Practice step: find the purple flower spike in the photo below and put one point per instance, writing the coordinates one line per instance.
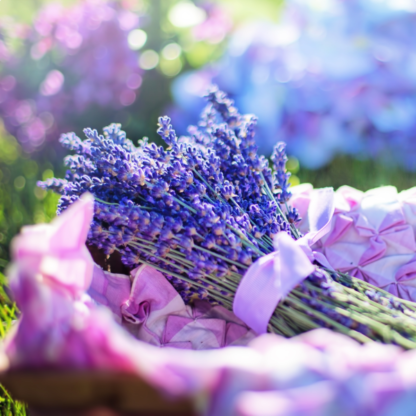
(166, 132)
(279, 160)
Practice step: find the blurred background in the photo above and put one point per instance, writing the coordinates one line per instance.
(335, 79)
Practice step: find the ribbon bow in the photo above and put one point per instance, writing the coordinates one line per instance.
(272, 277)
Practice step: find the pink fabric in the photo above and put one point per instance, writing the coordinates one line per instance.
(57, 251)
(269, 280)
(272, 277)
(111, 290)
(372, 236)
(52, 268)
(320, 213)
(151, 310)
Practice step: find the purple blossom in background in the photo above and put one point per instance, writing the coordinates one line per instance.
(69, 61)
(338, 78)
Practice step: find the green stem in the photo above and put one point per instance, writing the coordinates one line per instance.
(367, 286)
(241, 266)
(186, 268)
(340, 328)
(104, 202)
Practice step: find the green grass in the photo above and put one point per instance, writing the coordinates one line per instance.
(363, 175)
(21, 202)
(8, 406)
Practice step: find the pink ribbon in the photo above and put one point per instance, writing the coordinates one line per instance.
(320, 213)
(272, 277)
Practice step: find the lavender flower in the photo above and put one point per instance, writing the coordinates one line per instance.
(203, 210)
(192, 209)
(279, 160)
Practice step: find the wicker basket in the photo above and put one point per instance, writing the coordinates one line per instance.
(87, 393)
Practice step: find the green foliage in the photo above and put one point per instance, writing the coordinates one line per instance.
(21, 202)
(8, 406)
(24, 10)
(7, 309)
(360, 174)
(243, 10)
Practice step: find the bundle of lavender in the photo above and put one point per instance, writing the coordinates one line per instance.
(204, 209)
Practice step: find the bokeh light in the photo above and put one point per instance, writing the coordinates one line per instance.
(186, 14)
(149, 59)
(137, 39)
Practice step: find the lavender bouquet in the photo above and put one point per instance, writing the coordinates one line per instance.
(204, 209)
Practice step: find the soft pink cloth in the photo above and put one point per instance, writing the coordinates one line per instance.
(52, 268)
(269, 280)
(151, 310)
(272, 277)
(372, 235)
(57, 251)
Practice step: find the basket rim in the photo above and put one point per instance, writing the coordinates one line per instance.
(83, 389)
